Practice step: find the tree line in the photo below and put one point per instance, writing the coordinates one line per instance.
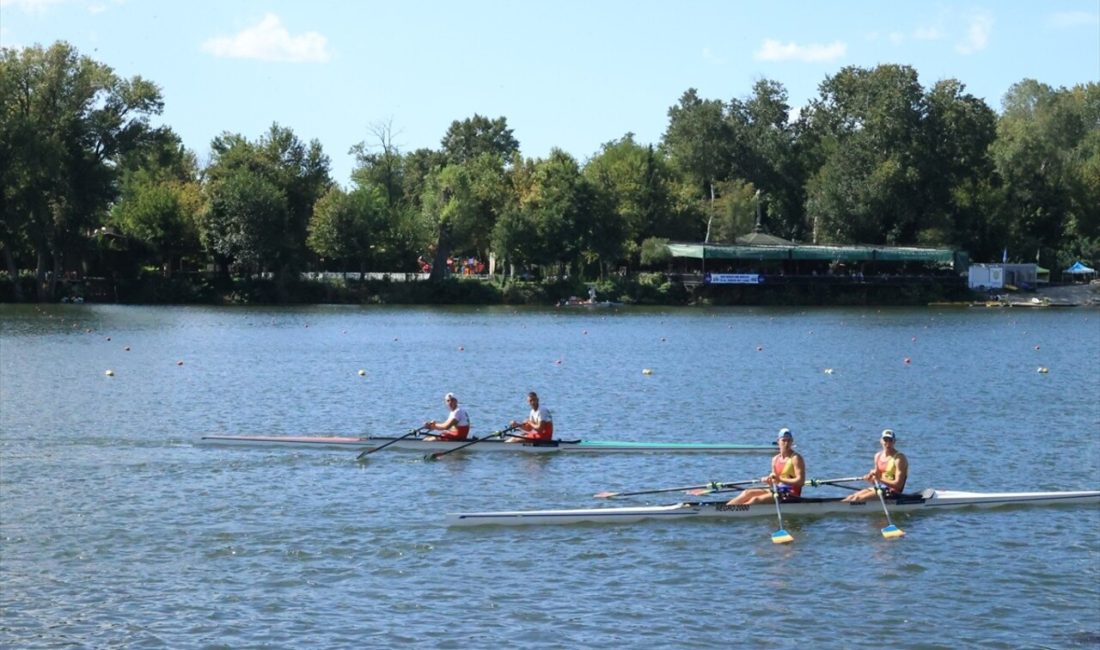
(91, 186)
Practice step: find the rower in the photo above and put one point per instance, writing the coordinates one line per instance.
(890, 471)
(455, 427)
(787, 476)
(539, 425)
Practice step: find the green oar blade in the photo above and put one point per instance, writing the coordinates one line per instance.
(781, 537)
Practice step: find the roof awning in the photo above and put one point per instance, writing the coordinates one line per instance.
(820, 253)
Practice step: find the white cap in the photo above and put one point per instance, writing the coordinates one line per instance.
(785, 433)
(888, 434)
(449, 396)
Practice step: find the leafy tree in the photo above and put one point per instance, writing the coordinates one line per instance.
(699, 142)
(159, 215)
(766, 154)
(246, 220)
(1045, 154)
(869, 186)
(473, 137)
(298, 172)
(736, 211)
(347, 227)
(638, 185)
(448, 207)
(65, 120)
(957, 173)
(160, 199)
(559, 205)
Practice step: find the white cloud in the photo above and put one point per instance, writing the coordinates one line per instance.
(773, 50)
(268, 40)
(1068, 19)
(977, 34)
(897, 38)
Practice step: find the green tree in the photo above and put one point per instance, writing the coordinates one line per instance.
(65, 120)
(957, 173)
(766, 154)
(1044, 154)
(559, 205)
(469, 139)
(868, 188)
(347, 227)
(449, 208)
(638, 184)
(297, 171)
(699, 142)
(246, 220)
(160, 199)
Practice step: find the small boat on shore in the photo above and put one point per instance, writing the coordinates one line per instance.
(592, 305)
(925, 501)
(491, 444)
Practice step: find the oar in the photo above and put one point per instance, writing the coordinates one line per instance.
(370, 451)
(780, 536)
(814, 482)
(495, 434)
(891, 530)
(680, 488)
(722, 487)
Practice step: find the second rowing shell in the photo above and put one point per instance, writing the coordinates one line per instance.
(492, 444)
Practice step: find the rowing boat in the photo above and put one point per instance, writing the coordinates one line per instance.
(489, 444)
(928, 500)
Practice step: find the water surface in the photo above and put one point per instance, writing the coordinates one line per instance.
(117, 531)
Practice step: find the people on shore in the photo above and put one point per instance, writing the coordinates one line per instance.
(539, 425)
(787, 476)
(455, 427)
(889, 473)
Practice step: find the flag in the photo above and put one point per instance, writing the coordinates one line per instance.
(1004, 257)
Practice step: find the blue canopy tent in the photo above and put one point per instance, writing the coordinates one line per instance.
(1079, 269)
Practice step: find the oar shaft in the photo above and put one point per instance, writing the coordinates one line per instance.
(495, 434)
(368, 452)
(814, 482)
(891, 531)
(713, 485)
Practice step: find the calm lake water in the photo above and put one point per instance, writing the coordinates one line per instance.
(117, 531)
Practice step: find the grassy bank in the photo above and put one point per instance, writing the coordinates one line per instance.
(640, 289)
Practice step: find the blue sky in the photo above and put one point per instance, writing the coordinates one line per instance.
(571, 74)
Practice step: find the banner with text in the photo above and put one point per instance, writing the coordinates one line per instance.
(734, 278)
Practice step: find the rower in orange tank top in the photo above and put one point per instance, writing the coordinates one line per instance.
(787, 477)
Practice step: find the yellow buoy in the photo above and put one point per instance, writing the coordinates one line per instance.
(647, 371)
(1042, 371)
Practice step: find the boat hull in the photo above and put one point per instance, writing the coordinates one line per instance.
(927, 500)
(491, 445)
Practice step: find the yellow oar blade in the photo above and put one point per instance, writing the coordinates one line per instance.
(605, 495)
(892, 531)
(781, 537)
